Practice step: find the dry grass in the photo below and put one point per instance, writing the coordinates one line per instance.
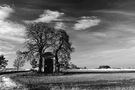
(34, 80)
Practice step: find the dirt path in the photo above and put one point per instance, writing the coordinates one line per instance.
(8, 84)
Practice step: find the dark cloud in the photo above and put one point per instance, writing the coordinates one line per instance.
(114, 31)
(30, 9)
(62, 4)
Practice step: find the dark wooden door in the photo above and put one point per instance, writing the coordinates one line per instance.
(48, 65)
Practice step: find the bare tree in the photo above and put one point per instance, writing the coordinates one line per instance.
(39, 39)
(62, 49)
(3, 62)
(19, 62)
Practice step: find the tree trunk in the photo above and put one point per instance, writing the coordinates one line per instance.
(44, 66)
(17, 68)
(58, 67)
(40, 64)
(56, 63)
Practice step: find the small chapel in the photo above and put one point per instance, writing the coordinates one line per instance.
(49, 62)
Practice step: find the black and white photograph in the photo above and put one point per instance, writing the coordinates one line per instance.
(67, 44)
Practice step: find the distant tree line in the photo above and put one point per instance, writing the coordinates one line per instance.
(104, 67)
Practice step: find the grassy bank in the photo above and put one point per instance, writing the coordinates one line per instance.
(34, 80)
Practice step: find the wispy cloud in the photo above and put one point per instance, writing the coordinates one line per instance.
(11, 29)
(126, 13)
(60, 25)
(2, 53)
(47, 16)
(86, 22)
(8, 29)
(4, 45)
(7, 53)
(5, 12)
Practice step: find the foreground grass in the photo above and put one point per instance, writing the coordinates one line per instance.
(35, 81)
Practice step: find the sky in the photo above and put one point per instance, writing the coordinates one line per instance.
(101, 31)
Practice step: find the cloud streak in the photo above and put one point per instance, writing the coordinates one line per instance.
(47, 16)
(8, 29)
(10, 32)
(126, 13)
(5, 12)
(60, 25)
(86, 22)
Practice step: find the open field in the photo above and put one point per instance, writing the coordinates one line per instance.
(31, 78)
(99, 71)
(77, 79)
(37, 82)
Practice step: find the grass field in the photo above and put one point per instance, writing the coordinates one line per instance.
(38, 81)
(99, 71)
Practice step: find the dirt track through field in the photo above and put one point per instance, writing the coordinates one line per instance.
(8, 84)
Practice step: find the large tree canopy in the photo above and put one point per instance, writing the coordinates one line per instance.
(40, 38)
(62, 49)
